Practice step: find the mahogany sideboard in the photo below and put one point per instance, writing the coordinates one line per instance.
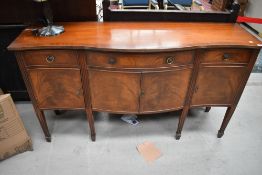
(137, 67)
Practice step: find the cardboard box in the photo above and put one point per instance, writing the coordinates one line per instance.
(149, 151)
(13, 136)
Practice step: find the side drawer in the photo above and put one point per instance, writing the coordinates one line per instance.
(51, 58)
(225, 56)
(139, 60)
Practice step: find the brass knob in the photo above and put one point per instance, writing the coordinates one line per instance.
(170, 60)
(112, 61)
(78, 92)
(226, 57)
(196, 88)
(50, 59)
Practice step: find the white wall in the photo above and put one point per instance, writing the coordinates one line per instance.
(254, 9)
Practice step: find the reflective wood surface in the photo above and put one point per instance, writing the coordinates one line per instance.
(140, 36)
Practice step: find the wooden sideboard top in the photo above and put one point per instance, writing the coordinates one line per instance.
(140, 37)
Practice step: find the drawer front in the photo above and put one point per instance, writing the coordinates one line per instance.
(51, 58)
(225, 56)
(139, 60)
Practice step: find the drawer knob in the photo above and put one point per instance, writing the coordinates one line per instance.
(170, 60)
(50, 59)
(142, 93)
(226, 57)
(78, 92)
(112, 61)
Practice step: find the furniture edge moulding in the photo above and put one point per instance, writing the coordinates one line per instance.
(115, 50)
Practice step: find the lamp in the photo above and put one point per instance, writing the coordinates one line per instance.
(50, 29)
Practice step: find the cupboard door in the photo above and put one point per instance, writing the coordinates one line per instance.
(115, 90)
(217, 85)
(57, 88)
(163, 91)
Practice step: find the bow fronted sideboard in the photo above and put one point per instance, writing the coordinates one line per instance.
(137, 67)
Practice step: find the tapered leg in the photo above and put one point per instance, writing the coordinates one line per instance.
(181, 122)
(207, 109)
(41, 117)
(90, 119)
(228, 115)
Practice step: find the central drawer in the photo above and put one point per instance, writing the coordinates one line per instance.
(139, 60)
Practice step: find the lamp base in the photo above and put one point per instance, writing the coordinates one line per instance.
(50, 31)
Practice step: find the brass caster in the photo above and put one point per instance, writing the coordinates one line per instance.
(220, 134)
(48, 139)
(178, 135)
(207, 109)
(93, 137)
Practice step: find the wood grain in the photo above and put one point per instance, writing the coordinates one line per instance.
(39, 113)
(115, 91)
(87, 93)
(231, 109)
(57, 88)
(217, 85)
(123, 68)
(165, 90)
(140, 37)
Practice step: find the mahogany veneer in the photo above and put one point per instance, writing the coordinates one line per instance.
(137, 68)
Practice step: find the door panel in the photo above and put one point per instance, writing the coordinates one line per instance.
(164, 90)
(114, 90)
(57, 88)
(217, 85)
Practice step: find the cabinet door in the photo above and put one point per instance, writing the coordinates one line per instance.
(57, 88)
(165, 90)
(115, 90)
(217, 85)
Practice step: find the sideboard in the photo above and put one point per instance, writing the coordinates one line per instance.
(137, 67)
